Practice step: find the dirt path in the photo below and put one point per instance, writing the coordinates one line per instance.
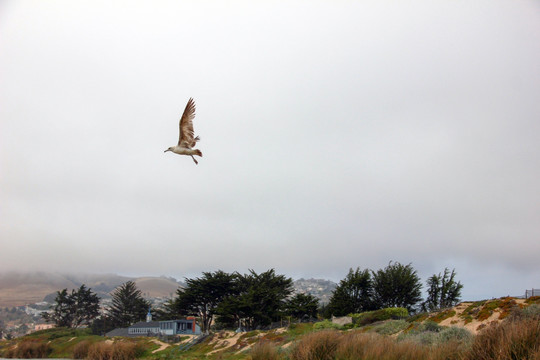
(162, 345)
(225, 343)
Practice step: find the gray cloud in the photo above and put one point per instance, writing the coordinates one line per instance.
(334, 135)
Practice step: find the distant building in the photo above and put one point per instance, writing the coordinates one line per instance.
(186, 326)
(43, 326)
(176, 327)
(144, 328)
(167, 327)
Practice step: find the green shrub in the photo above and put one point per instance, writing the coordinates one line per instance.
(295, 330)
(455, 333)
(472, 311)
(531, 311)
(426, 333)
(442, 315)
(326, 324)
(487, 310)
(425, 338)
(432, 326)
(390, 327)
(370, 317)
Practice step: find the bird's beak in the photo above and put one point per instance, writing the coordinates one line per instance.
(167, 150)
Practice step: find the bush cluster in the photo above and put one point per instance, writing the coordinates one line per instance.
(29, 349)
(431, 333)
(390, 327)
(326, 324)
(370, 317)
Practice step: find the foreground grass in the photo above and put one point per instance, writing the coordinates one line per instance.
(75, 344)
(515, 339)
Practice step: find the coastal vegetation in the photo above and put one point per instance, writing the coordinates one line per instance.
(517, 336)
(258, 316)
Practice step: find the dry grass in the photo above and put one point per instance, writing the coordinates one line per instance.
(320, 345)
(264, 350)
(80, 351)
(519, 339)
(30, 349)
(334, 345)
(113, 351)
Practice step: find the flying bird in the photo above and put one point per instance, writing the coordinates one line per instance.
(187, 139)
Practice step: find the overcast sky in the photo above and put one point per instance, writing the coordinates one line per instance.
(335, 134)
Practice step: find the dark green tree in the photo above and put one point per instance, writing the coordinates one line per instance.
(101, 325)
(62, 314)
(201, 296)
(85, 306)
(167, 311)
(352, 295)
(235, 306)
(302, 305)
(397, 285)
(264, 299)
(443, 291)
(75, 309)
(256, 299)
(128, 306)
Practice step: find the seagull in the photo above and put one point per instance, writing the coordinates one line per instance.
(187, 138)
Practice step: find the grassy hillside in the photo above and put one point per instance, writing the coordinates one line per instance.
(511, 330)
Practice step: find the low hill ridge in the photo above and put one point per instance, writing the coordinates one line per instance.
(17, 289)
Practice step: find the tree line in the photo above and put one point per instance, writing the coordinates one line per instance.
(81, 307)
(255, 300)
(396, 285)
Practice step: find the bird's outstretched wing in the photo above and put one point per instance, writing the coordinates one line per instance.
(187, 135)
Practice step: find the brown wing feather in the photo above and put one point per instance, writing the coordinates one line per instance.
(187, 135)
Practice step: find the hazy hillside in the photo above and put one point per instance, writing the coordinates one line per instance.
(320, 288)
(157, 287)
(18, 289)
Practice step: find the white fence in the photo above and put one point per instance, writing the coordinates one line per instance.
(532, 292)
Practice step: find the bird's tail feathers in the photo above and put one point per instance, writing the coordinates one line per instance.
(198, 152)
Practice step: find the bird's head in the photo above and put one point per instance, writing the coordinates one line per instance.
(169, 149)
